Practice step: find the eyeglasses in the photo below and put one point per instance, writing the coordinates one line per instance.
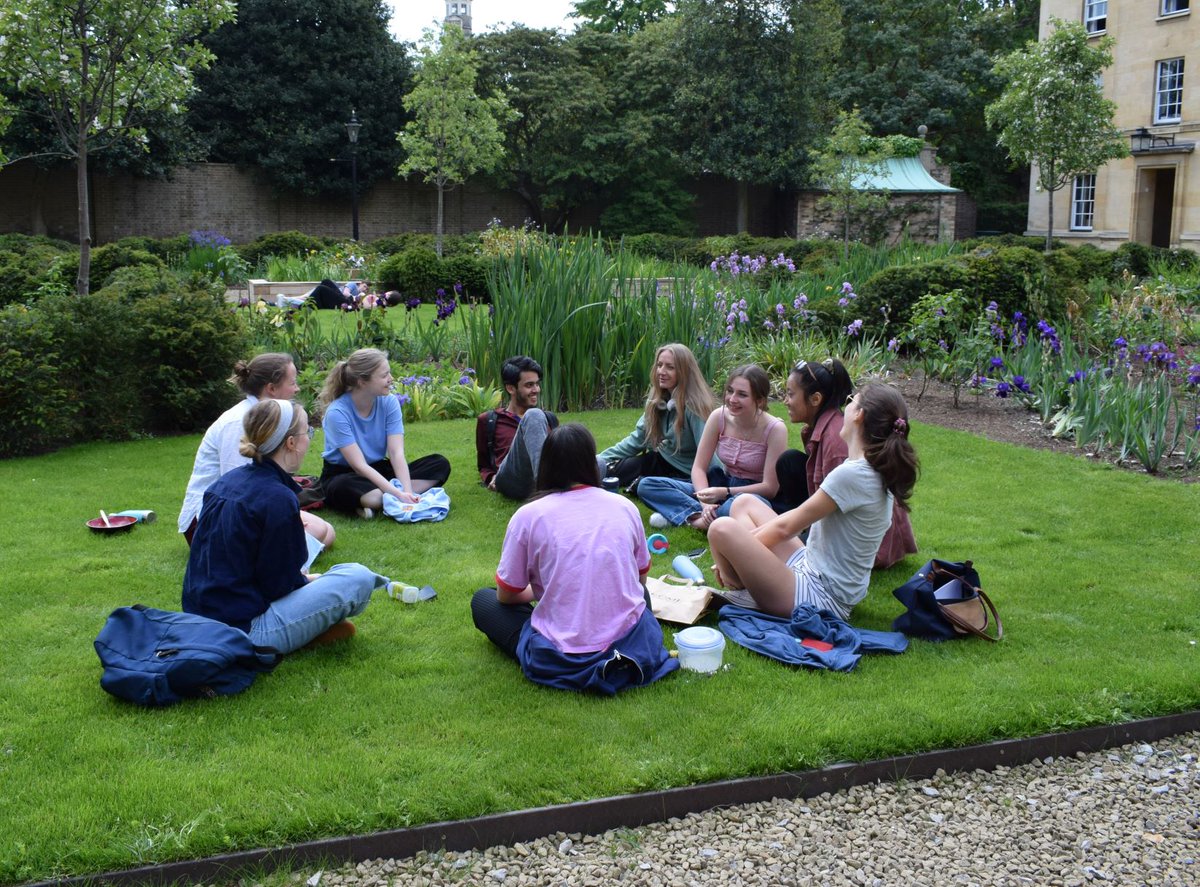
(850, 399)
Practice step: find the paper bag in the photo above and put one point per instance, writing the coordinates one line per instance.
(681, 601)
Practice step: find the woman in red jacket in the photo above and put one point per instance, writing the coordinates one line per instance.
(816, 394)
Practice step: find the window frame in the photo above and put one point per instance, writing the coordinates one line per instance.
(1090, 18)
(1083, 202)
(1181, 7)
(1168, 90)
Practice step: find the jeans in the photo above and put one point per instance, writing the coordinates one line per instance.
(295, 619)
(676, 499)
(518, 471)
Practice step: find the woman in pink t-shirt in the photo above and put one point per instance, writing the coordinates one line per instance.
(570, 601)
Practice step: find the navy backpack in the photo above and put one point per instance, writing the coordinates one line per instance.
(156, 657)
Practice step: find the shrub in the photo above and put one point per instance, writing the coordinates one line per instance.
(414, 272)
(186, 343)
(139, 281)
(398, 243)
(470, 271)
(24, 265)
(108, 258)
(1093, 262)
(97, 346)
(280, 243)
(1134, 258)
(666, 247)
(37, 408)
(899, 287)
(1006, 277)
(163, 247)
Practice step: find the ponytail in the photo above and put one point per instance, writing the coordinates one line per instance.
(830, 379)
(885, 440)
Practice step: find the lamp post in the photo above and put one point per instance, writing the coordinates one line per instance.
(352, 129)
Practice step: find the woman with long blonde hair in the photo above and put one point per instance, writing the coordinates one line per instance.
(664, 441)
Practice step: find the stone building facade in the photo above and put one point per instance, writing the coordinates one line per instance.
(1153, 196)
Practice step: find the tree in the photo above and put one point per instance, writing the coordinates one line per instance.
(848, 158)
(454, 132)
(753, 84)
(562, 147)
(619, 16)
(99, 67)
(287, 76)
(1052, 112)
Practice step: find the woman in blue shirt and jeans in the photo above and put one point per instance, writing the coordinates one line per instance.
(244, 568)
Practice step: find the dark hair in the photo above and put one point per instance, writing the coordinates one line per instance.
(568, 458)
(829, 379)
(253, 375)
(885, 439)
(510, 373)
(758, 381)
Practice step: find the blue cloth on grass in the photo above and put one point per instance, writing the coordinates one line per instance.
(780, 638)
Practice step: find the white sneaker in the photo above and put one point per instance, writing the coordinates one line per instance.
(658, 521)
(365, 513)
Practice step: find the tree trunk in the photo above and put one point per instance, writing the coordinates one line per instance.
(441, 216)
(743, 207)
(85, 226)
(1050, 211)
(1049, 222)
(846, 234)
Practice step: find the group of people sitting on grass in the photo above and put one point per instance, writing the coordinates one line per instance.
(570, 602)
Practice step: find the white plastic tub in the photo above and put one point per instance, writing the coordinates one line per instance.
(700, 649)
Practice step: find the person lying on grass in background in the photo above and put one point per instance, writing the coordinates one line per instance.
(364, 439)
(509, 439)
(849, 513)
(244, 568)
(580, 554)
(265, 376)
(745, 438)
(815, 393)
(664, 441)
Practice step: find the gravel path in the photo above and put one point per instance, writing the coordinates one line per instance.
(1127, 816)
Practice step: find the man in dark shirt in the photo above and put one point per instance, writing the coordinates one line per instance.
(508, 440)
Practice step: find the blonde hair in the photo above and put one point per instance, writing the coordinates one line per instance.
(253, 375)
(348, 374)
(692, 394)
(261, 422)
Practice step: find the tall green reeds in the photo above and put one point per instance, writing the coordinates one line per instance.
(590, 320)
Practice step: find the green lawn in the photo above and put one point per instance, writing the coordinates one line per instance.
(418, 719)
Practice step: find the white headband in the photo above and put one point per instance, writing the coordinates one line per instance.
(286, 411)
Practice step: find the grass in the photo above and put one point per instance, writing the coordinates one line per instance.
(418, 719)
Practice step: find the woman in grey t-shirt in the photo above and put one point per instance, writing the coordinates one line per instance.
(849, 514)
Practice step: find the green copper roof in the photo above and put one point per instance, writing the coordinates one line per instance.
(902, 174)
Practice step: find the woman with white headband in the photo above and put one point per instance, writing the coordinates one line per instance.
(248, 550)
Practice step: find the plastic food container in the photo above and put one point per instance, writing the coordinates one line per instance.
(700, 649)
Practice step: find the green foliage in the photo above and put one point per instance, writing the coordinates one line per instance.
(113, 365)
(34, 397)
(1052, 112)
(454, 132)
(414, 272)
(135, 282)
(280, 243)
(166, 248)
(618, 16)
(98, 69)
(839, 167)
(752, 85)
(470, 272)
(25, 261)
(284, 84)
(898, 288)
(186, 343)
(108, 258)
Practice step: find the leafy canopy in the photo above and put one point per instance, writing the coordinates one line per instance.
(454, 132)
(1052, 112)
(287, 76)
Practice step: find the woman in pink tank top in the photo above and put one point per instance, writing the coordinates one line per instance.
(745, 437)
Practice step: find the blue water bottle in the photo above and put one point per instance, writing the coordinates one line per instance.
(685, 569)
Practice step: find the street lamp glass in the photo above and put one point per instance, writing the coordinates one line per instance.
(352, 128)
